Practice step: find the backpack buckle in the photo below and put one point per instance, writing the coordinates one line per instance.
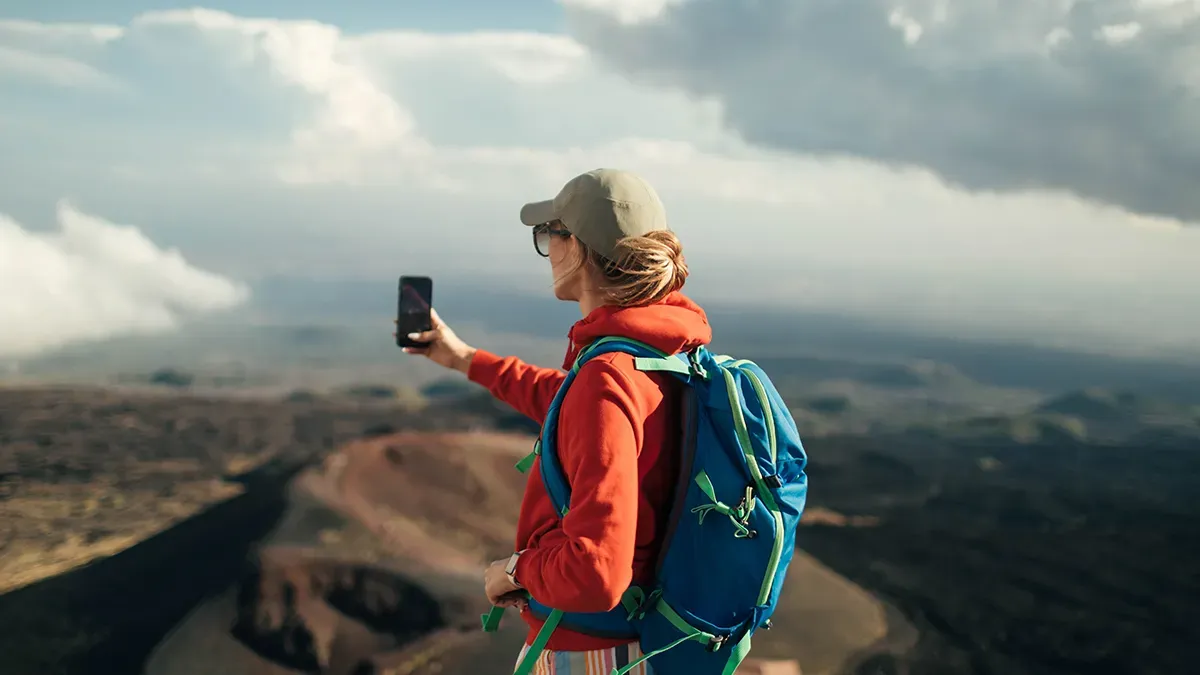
(716, 643)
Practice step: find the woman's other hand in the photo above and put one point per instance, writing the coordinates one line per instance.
(500, 589)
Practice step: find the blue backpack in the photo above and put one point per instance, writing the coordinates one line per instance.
(731, 531)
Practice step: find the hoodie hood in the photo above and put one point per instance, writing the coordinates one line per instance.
(674, 324)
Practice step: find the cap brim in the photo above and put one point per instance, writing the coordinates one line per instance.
(536, 213)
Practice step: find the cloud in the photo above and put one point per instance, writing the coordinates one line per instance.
(271, 147)
(628, 12)
(94, 279)
(55, 70)
(58, 35)
(352, 114)
(55, 54)
(1100, 99)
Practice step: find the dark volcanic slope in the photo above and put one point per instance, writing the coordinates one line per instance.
(106, 616)
(1023, 559)
(88, 473)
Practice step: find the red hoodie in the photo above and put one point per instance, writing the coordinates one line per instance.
(618, 438)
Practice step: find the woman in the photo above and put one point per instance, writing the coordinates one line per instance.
(611, 252)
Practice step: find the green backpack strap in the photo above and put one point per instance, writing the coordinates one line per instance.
(740, 650)
(491, 620)
(527, 461)
(539, 644)
(668, 364)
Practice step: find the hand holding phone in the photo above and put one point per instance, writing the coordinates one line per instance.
(436, 341)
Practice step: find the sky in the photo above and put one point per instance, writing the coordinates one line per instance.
(1017, 174)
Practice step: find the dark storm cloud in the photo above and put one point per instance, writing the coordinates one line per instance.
(1098, 98)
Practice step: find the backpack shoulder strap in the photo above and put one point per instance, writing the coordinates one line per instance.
(646, 358)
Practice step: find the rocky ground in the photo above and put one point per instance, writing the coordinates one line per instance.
(1026, 559)
(85, 473)
(179, 535)
(261, 537)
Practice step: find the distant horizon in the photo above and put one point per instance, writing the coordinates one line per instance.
(275, 295)
(356, 315)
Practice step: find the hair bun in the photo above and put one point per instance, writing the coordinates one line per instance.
(646, 269)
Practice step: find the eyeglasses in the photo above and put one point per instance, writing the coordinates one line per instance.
(542, 234)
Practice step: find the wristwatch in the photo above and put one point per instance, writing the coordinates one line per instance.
(511, 568)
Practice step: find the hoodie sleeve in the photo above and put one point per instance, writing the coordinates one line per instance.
(527, 388)
(586, 565)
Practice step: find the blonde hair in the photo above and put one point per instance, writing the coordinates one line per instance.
(642, 271)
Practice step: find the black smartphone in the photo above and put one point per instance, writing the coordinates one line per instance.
(413, 309)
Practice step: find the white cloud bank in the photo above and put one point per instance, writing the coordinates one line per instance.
(94, 279)
(292, 147)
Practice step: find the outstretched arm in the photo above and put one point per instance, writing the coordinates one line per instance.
(526, 387)
(587, 564)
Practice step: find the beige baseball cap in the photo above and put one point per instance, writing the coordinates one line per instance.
(601, 207)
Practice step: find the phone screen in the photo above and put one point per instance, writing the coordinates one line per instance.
(412, 312)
